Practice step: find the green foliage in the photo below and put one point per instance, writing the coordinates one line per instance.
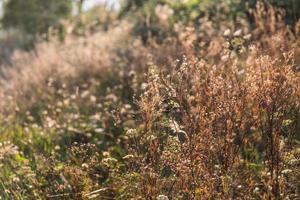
(35, 17)
(291, 8)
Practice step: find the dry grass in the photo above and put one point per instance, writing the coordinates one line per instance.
(210, 113)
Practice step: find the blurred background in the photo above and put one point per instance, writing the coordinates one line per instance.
(24, 23)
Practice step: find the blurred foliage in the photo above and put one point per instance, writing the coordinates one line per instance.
(35, 17)
(291, 7)
(147, 13)
(156, 18)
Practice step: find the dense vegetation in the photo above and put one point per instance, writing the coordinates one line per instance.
(186, 100)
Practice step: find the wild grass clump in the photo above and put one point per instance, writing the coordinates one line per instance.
(222, 123)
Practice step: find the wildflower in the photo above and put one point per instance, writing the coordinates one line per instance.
(89, 135)
(93, 99)
(66, 102)
(132, 73)
(237, 33)
(85, 166)
(225, 57)
(247, 37)
(106, 154)
(256, 189)
(99, 130)
(162, 197)
(112, 97)
(227, 32)
(84, 94)
(131, 133)
(286, 171)
(58, 110)
(127, 106)
(144, 86)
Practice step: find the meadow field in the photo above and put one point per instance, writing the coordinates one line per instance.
(154, 100)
